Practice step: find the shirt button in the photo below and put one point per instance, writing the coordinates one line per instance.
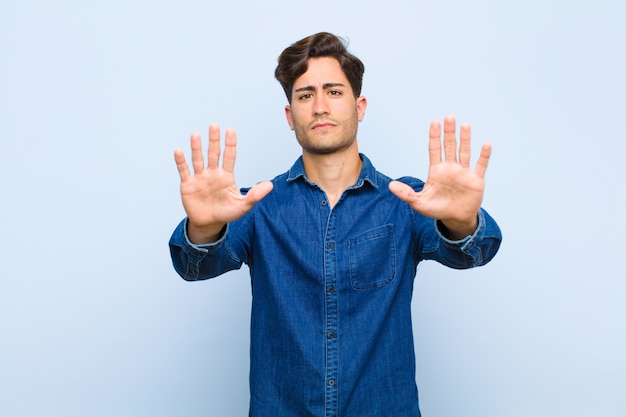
(323, 202)
(331, 289)
(330, 246)
(331, 382)
(331, 335)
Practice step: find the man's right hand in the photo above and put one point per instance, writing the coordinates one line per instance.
(210, 196)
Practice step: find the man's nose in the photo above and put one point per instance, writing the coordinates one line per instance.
(320, 106)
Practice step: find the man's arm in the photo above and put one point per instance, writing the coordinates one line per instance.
(475, 249)
(212, 201)
(195, 262)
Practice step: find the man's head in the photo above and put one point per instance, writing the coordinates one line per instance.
(293, 62)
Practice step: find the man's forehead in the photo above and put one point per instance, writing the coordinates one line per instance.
(322, 71)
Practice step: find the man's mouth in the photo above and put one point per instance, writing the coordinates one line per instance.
(323, 126)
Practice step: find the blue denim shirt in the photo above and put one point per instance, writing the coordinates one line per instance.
(331, 331)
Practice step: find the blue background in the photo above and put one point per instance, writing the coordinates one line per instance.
(95, 96)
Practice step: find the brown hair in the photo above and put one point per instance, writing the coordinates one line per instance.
(293, 62)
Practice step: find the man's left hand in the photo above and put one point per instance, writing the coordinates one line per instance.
(453, 192)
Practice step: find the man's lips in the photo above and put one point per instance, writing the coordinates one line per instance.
(323, 126)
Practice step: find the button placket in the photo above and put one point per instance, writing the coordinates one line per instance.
(331, 312)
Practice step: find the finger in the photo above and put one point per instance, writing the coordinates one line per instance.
(213, 153)
(465, 146)
(449, 139)
(181, 164)
(434, 143)
(197, 160)
(230, 151)
(483, 160)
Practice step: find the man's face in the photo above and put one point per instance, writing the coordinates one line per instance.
(324, 112)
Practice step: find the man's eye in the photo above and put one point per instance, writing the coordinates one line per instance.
(334, 93)
(305, 96)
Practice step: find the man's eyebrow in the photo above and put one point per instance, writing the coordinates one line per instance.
(325, 87)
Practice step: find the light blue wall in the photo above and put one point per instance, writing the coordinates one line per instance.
(95, 96)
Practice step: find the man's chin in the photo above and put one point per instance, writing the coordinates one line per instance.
(322, 149)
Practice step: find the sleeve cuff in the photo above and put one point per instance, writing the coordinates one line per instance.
(207, 247)
(467, 240)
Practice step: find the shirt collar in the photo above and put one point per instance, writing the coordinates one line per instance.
(368, 173)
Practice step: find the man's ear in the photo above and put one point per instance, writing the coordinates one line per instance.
(289, 116)
(361, 105)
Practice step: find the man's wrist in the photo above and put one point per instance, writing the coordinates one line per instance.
(204, 235)
(454, 230)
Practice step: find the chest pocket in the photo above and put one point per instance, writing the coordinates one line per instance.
(372, 258)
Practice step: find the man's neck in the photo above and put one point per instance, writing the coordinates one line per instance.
(333, 172)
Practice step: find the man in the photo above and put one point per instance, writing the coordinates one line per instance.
(332, 245)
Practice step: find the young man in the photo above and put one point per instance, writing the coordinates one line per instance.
(332, 245)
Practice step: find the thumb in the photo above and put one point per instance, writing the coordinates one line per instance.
(402, 191)
(258, 192)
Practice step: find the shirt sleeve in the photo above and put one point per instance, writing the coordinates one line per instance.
(474, 250)
(197, 262)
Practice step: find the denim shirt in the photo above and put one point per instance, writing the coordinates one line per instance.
(331, 331)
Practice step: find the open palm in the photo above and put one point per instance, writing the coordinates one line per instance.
(210, 196)
(453, 192)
